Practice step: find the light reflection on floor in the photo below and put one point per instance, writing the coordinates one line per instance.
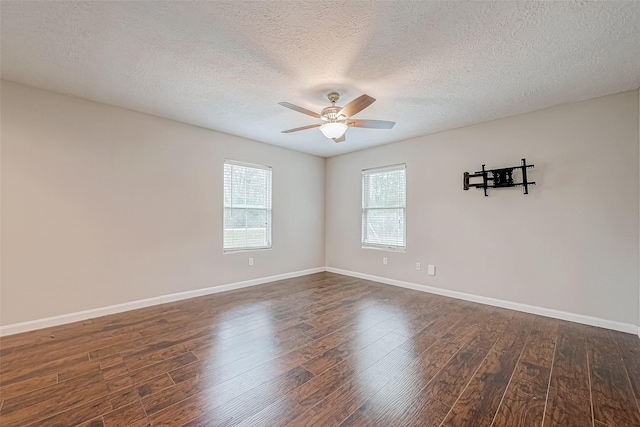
(224, 365)
(396, 364)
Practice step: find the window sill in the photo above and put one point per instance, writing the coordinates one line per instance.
(386, 249)
(240, 250)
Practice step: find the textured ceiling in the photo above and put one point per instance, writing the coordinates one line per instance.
(225, 65)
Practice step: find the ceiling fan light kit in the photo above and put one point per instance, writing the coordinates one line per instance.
(338, 119)
(333, 130)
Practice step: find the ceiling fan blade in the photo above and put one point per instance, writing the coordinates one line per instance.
(300, 109)
(357, 105)
(302, 128)
(372, 124)
(342, 138)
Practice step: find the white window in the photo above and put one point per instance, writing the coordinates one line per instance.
(247, 206)
(384, 202)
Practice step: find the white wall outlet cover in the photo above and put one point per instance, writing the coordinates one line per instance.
(431, 271)
(385, 261)
(250, 261)
(418, 266)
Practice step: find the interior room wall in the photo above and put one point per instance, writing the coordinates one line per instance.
(102, 206)
(570, 245)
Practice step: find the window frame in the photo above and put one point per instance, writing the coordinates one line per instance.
(269, 209)
(365, 209)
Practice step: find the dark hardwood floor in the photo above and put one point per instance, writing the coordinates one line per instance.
(320, 350)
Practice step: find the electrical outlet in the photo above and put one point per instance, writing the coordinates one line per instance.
(418, 266)
(385, 261)
(431, 271)
(250, 262)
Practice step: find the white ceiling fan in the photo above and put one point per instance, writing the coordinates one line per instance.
(336, 120)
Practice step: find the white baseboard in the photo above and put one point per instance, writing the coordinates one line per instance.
(547, 312)
(162, 299)
(118, 308)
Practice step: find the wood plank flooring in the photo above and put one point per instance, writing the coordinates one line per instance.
(320, 350)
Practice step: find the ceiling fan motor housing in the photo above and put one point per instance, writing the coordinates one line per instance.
(332, 114)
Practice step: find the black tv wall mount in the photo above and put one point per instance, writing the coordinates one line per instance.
(499, 178)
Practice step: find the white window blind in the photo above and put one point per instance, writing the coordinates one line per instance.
(384, 203)
(247, 206)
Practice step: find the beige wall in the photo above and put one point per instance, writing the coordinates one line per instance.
(570, 245)
(102, 205)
